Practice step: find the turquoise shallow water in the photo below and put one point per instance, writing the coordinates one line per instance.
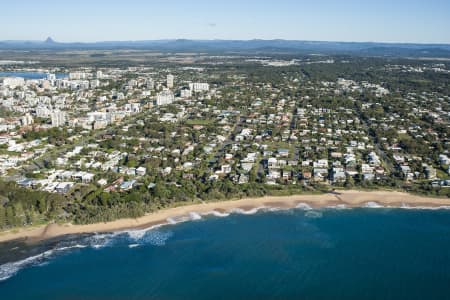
(295, 254)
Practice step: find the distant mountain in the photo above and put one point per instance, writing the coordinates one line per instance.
(49, 40)
(248, 46)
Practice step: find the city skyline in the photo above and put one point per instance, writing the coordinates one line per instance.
(325, 20)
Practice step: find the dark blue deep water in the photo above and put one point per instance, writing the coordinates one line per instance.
(296, 254)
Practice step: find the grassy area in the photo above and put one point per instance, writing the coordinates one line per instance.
(200, 122)
(441, 174)
(11, 153)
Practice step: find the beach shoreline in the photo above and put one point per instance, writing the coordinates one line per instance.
(345, 198)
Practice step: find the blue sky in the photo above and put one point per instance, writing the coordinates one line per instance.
(420, 21)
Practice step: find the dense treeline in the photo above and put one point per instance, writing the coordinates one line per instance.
(55, 135)
(20, 206)
(95, 205)
(87, 204)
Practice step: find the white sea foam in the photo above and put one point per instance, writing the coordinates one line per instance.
(171, 221)
(148, 235)
(176, 220)
(313, 214)
(406, 206)
(373, 204)
(133, 245)
(10, 269)
(195, 216)
(156, 237)
(217, 214)
(192, 216)
(248, 212)
(304, 206)
(77, 246)
(100, 240)
(275, 209)
(338, 207)
(136, 234)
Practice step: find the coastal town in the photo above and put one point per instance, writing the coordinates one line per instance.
(217, 126)
(225, 150)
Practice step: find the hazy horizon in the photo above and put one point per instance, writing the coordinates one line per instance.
(324, 20)
(212, 40)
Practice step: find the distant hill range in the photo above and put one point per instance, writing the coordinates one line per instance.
(258, 46)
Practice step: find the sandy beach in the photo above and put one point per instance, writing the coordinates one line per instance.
(165, 216)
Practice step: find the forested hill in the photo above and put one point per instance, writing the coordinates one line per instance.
(266, 46)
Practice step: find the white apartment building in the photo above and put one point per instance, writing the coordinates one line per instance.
(58, 118)
(199, 87)
(133, 108)
(165, 97)
(13, 82)
(78, 76)
(185, 93)
(26, 120)
(43, 112)
(170, 80)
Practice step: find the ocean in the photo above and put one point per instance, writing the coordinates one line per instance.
(364, 253)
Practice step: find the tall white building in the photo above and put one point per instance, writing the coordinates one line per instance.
(94, 83)
(170, 79)
(185, 93)
(133, 108)
(26, 120)
(165, 97)
(150, 83)
(43, 111)
(13, 82)
(77, 75)
(58, 118)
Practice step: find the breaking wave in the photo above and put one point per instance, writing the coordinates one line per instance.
(275, 209)
(10, 269)
(338, 207)
(303, 206)
(149, 236)
(251, 211)
(217, 214)
(406, 206)
(195, 216)
(313, 214)
(192, 216)
(373, 204)
(154, 237)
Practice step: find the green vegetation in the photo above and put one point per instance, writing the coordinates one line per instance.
(199, 122)
(22, 207)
